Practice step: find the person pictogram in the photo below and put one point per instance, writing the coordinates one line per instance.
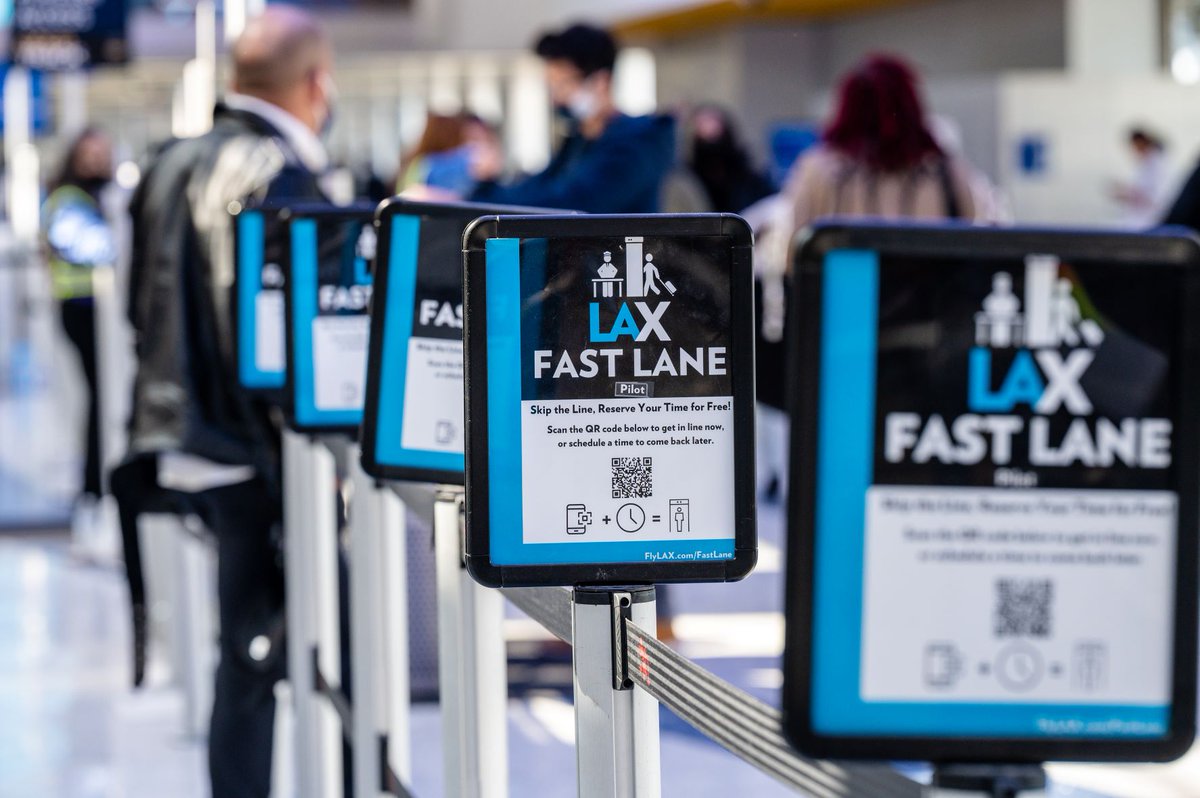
(608, 278)
(1064, 315)
(651, 278)
(1000, 324)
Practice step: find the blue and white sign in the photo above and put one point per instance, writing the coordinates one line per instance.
(414, 428)
(614, 398)
(997, 525)
(329, 289)
(259, 303)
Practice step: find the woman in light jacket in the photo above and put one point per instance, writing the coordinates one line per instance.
(878, 157)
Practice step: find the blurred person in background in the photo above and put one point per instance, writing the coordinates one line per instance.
(442, 158)
(77, 238)
(211, 442)
(1141, 199)
(721, 162)
(608, 162)
(878, 157)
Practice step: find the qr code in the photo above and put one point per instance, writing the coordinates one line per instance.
(1024, 607)
(632, 477)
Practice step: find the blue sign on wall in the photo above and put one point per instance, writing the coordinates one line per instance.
(41, 103)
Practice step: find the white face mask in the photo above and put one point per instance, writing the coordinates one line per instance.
(330, 103)
(584, 104)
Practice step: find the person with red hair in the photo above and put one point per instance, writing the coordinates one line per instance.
(878, 157)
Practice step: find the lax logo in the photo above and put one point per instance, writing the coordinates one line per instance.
(641, 279)
(1040, 375)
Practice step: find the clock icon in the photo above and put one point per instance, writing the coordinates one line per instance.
(631, 518)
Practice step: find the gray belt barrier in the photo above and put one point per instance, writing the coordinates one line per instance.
(738, 722)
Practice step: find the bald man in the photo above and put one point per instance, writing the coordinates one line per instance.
(215, 446)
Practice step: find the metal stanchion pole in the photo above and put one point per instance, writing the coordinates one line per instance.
(114, 352)
(297, 487)
(326, 645)
(472, 664)
(616, 726)
(195, 581)
(366, 645)
(393, 618)
(375, 515)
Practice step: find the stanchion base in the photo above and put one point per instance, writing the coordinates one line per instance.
(994, 781)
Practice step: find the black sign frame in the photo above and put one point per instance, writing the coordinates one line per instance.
(477, 554)
(387, 211)
(318, 212)
(1181, 251)
(272, 212)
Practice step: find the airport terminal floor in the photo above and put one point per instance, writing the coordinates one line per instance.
(73, 728)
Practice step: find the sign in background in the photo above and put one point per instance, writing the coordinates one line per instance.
(616, 400)
(43, 114)
(991, 480)
(61, 35)
(258, 299)
(328, 297)
(413, 426)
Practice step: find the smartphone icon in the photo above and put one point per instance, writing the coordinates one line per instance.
(578, 519)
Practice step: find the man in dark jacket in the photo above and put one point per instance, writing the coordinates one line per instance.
(609, 162)
(215, 444)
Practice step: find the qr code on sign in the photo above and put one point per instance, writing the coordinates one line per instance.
(632, 477)
(1024, 607)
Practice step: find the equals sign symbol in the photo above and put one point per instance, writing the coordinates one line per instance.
(656, 518)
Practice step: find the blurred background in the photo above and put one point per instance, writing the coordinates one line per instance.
(1072, 113)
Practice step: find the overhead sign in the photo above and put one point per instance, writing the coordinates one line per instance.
(61, 35)
(258, 298)
(993, 524)
(327, 300)
(413, 426)
(610, 400)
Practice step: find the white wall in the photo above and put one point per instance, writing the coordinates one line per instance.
(1113, 37)
(766, 74)
(954, 37)
(1083, 122)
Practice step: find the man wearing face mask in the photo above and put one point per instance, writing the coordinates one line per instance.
(215, 448)
(609, 162)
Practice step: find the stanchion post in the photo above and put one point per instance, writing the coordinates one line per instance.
(381, 694)
(195, 584)
(326, 647)
(616, 726)
(393, 617)
(472, 665)
(296, 488)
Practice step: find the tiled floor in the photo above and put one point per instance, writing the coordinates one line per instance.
(70, 727)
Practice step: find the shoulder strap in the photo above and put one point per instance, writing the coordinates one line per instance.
(949, 194)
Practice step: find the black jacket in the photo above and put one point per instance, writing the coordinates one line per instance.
(1186, 208)
(186, 394)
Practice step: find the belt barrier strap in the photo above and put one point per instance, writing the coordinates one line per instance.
(747, 727)
(342, 706)
(735, 720)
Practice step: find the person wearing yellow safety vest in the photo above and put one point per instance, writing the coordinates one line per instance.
(77, 239)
